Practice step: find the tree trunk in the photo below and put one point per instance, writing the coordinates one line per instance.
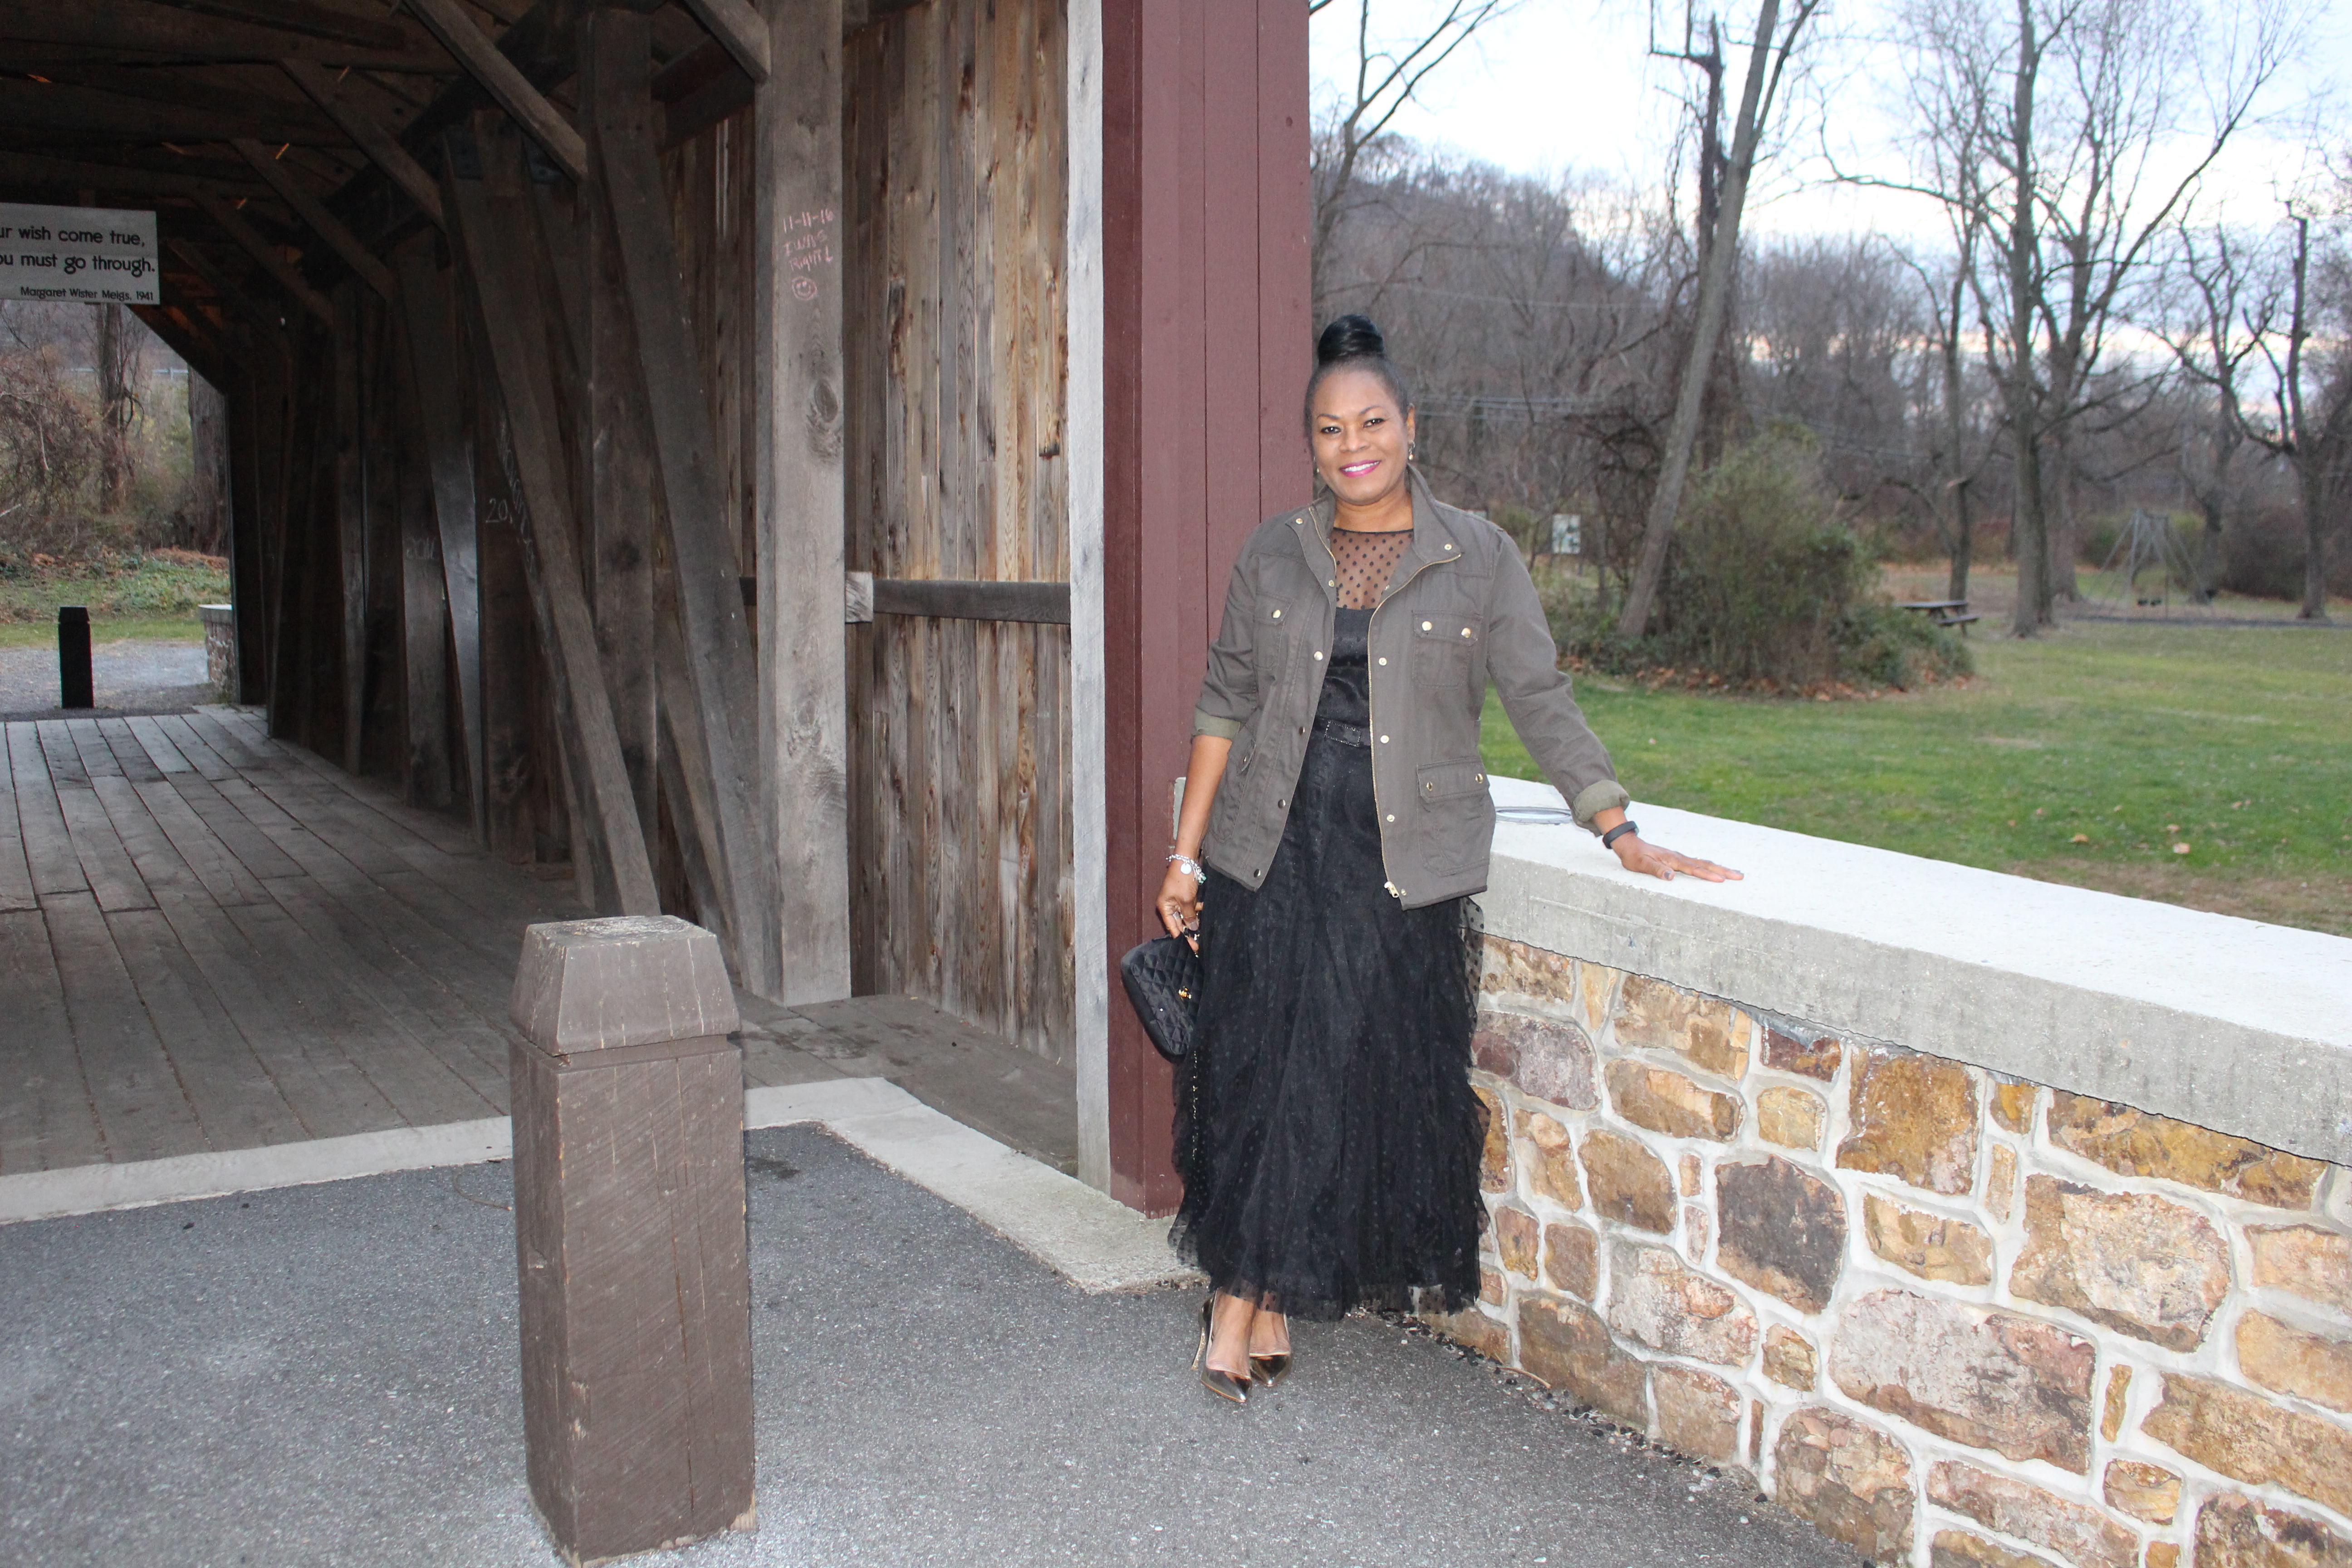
(2214, 498)
(1714, 296)
(208, 499)
(2029, 533)
(2026, 537)
(1963, 545)
(2310, 461)
(118, 358)
(1720, 405)
(2310, 470)
(1954, 441)
(2064, 537)
(2208, 564)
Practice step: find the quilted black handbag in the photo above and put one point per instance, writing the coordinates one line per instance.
(1163, 980)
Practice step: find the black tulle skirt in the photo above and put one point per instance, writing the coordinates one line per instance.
(1325, 1130)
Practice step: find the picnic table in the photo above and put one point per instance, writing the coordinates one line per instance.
(1943, 612)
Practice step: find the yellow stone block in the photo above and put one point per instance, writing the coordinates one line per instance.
(1792, 1118)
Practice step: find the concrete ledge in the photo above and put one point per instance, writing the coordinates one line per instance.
(2236, 1026)
(1089, 1239)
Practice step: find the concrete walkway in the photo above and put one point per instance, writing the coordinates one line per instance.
(327, 1375)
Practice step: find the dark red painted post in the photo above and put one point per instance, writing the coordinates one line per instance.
(1207, 343)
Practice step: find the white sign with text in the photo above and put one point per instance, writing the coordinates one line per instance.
(98, 256)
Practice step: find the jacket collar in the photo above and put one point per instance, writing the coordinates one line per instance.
(1434, 542)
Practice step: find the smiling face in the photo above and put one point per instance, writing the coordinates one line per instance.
(1359, 437)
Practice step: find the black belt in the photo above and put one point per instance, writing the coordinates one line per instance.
(1345, 734)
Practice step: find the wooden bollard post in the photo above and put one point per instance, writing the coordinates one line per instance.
(629, 1237)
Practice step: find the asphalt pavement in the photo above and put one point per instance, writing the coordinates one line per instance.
(327, 1375)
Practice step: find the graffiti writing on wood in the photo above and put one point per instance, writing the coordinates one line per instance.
(806, 247)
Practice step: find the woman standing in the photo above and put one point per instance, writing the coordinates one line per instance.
(1325, 1130)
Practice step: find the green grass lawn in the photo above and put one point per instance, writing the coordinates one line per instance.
(2235, 741)
(153, 595)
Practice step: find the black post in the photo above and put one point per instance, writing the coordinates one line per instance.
(74, 688)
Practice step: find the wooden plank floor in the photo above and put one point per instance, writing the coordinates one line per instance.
(210, 940)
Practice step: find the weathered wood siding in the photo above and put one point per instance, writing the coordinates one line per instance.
(960, 777)
(712, 186)
(533, 587)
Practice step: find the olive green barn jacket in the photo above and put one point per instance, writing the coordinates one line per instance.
(1461, 611)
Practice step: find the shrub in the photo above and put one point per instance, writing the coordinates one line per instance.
(50, 443)
(1879, 645)
(53, 440)
(2262, 554)
(1768, 586)
(1762, 570)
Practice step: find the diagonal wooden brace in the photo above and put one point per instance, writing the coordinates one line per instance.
(324, 224)
(225, 218)
(512, 317)
(370, 137)
(707, 575)
(505, 83)
(740, 30)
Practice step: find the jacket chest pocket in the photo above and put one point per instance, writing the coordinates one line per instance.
(1272, 640)
(1442, 649)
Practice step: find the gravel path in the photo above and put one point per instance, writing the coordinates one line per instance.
(135, 675)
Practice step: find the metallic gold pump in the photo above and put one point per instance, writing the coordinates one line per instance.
(1224, 1384)
(1269, 1370)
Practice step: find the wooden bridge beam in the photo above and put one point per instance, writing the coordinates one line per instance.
(798, 400)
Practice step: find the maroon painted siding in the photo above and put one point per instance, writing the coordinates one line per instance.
(1207, 345)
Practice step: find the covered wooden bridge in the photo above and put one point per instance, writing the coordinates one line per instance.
(778, 458)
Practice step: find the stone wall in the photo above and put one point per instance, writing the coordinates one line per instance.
(1952, 1317)
(220, 649)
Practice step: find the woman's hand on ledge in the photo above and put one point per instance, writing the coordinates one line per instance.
(1656, 861)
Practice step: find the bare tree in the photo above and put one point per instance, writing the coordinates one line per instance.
(1537, 314)
(2314, 428)
(1958, 447)
(2223, 308)
(2041, 122)
(1768, 63)
(1385, 80)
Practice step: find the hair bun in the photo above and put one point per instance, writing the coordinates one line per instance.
(1350, 337)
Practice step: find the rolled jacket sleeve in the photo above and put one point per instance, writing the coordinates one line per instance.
(1524, 665)
(1229, 690)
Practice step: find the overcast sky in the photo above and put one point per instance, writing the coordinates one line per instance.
(1561, 85)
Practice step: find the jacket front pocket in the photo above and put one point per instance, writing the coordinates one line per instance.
(1457, 817)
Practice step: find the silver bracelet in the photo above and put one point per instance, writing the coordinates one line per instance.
(1192, 868)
